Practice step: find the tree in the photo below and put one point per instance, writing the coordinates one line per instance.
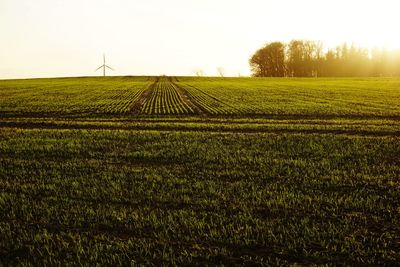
(221, 71)
(295, 55)
(317, 58)
(329, 65)
(302, 58)
(269, 61)
(199, 73)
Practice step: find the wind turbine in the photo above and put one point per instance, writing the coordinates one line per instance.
(104, 66)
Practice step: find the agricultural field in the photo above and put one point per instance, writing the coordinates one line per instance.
(237, 97)
(200, 171)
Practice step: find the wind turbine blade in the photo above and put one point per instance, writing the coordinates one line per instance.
(109, 67)
(99, 68)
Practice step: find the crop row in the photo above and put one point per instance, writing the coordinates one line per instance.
(219, 96)
(65, 96)
(218, 100)
(303, 97)
(209, 103)
(165, 99)
(123, 102)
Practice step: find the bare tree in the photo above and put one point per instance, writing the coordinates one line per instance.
(221, 71)
(199, 72)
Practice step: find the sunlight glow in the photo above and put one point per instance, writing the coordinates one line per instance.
(67, 38)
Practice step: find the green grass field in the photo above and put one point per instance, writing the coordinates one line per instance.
(200, 171)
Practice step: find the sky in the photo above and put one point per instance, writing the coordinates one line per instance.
(60, 38)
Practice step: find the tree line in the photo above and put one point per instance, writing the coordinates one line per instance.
(304, 58)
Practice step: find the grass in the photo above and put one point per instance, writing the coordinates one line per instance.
(302, 96)
(70, 96)
(309, 186)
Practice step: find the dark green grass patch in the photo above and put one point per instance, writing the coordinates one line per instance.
(150, 197)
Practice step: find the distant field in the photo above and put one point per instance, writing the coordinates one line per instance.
(202, 96)
(197, 171)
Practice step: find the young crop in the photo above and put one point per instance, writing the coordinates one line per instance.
(258, 172)
(210, 104)
(111, 196)
(301, 97)
(70, 95)
(166, 100)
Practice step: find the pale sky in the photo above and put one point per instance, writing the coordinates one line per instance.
(57, 38)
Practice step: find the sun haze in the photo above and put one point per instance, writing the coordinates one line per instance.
(47, 38)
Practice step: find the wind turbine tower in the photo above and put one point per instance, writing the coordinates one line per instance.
(104, 66)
